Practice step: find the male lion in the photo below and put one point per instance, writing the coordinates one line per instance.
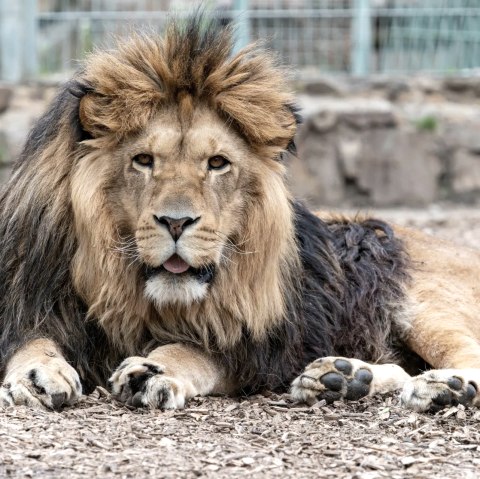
(148, 218)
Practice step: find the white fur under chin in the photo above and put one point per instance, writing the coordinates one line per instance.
(162, 290)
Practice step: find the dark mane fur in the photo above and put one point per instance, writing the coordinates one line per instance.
(37, 243)
(346, 296)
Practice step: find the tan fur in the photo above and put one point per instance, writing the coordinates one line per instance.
(127, 93)
(127, 99)
(445, 301)
(110, 284)
(39, 350)
(38, 375)
(193, 365)
(180, 373)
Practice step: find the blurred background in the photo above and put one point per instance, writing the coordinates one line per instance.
(389, 89)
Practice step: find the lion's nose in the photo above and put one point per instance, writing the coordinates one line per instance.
(176, 226)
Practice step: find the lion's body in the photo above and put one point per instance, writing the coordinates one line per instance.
(149, 215)
(444, 297)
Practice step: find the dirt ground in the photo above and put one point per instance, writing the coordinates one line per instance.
(259, 437)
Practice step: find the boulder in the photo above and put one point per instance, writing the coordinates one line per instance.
(6, 94)
(324, 121)
(317, 176)
(465, 172)
(463, 85)
(349, 149)
(365, 119)
(323, 87)
(399, 167)
(465, 136)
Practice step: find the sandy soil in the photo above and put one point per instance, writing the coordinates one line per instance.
(259, 437)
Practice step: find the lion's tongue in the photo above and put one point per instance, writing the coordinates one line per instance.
(176, 265)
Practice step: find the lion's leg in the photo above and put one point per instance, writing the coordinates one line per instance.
(332, 378)
(168, 377)
(38, 375)
(442, 323)
(453, 348)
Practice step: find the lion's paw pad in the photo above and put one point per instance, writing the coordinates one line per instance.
(332, 379)
(140, 382)
(435, 390)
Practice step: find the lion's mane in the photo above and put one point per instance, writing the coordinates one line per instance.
(311, 288)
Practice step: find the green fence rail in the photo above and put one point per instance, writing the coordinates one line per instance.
(360, 37)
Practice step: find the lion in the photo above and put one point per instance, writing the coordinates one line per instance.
(149, 242)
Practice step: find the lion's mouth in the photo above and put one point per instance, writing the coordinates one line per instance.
(177, 266)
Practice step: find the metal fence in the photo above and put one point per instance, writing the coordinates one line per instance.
(46, 37)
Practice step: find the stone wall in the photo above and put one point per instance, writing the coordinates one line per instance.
(389, 143)
(379, 142)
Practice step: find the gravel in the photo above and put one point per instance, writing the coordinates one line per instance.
(262, 436)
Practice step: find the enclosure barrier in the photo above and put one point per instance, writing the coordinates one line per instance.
(46, 37)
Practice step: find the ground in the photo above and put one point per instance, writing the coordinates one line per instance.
(259, 437)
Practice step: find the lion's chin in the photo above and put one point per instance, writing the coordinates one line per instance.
(163, 290)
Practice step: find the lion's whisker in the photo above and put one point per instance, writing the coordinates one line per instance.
(235, 245)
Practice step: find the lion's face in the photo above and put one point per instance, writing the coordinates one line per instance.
(183, 190)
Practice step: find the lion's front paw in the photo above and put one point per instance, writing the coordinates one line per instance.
(332, 378)
(437, 389)
(50, 385)
(141, 382)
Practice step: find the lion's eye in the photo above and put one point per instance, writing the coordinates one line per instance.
(217, 162)
(143, 159)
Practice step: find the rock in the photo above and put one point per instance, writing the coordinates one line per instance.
(463, 135)
(399, 167)
(428, 85)
(465, 172)
(365, 119)
(396, 89)
(461, 85)
(324, 121)
(349, 149)
(324, 87)
(316, 175)
(357, 113)
(6, 94)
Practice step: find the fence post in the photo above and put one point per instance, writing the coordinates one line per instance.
(18, 49)
(30, 60)
(11, 40)
(361, 38)
(242, 24)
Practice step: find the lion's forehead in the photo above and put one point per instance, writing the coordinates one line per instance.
(206, 135)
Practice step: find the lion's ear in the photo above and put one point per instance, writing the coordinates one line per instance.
(88, 114)
(101, 114)
(119, 114)
(297, 117)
